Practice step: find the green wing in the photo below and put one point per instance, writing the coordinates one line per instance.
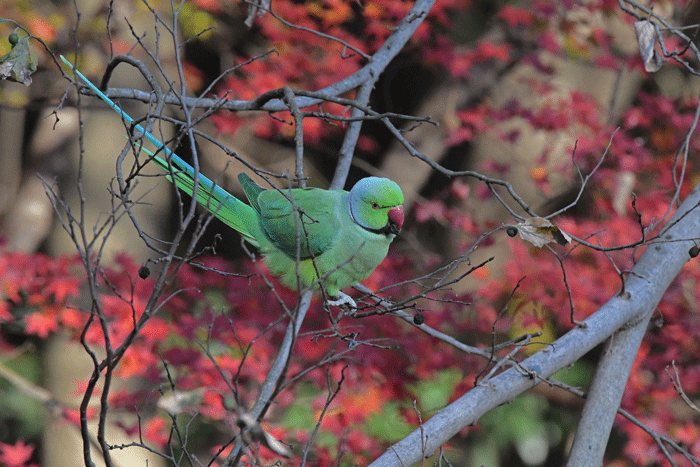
(310, 229)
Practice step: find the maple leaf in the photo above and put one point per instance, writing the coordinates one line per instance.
(72, 319)
(63, 287)
(16, 455)
(73, 415)
(515, 16)
(459, 136)
(487, 50)
(182, 356)
(136, 361)
(213, 406)
(459, 189)
(129, 430)
(430, 210)
(358, 406)
(157, 430)
(41, 324)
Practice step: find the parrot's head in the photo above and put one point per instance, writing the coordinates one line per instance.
(376, 204)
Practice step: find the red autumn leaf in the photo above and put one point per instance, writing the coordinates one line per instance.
(129, 430)
(15, 455)
(156, 430)
(156, 330)
(41, 324)
(213, 406)
(136, 361)
(430, 210)
(460, 135)
(72, 318)
(550, 42)
(5, 314)
(487, 50)
(73, 415)
(459, 189)
(515, 16)
(62, 287)
(180, 356)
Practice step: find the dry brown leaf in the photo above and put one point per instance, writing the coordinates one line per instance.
(20, 62)
(540, 231)
(646, 38)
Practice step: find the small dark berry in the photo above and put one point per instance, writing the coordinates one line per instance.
(418, 319)
(14, 39)
(512, 231)
(694, 251)
(144, 272)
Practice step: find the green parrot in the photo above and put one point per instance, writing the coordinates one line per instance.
(336, 237)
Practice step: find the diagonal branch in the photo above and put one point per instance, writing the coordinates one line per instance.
(376, 66)
(605, 394)
(662, 262)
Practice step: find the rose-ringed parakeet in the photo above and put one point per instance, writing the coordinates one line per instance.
(336, 237)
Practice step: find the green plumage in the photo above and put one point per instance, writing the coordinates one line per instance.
(331, 237)
(315, 227)
(234, 213)
(311, 226)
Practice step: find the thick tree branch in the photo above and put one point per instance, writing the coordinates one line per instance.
(650, 278)
(605, 394)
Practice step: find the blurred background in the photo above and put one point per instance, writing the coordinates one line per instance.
(515, 87)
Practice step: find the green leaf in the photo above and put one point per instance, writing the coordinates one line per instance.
(299, 416)
(389, 424)
(579, 374)
(434, 394)
(20, 62)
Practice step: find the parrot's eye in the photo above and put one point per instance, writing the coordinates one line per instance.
(375, 205)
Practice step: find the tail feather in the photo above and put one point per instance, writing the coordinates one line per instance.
(232, 211)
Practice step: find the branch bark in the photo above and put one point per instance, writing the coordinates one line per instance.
(605, 394)
(369, 73)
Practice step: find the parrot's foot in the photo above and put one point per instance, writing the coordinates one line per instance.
(344, 301)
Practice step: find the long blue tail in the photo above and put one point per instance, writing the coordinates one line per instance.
(218, 201)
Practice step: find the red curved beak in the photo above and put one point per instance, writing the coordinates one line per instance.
(396, 219)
